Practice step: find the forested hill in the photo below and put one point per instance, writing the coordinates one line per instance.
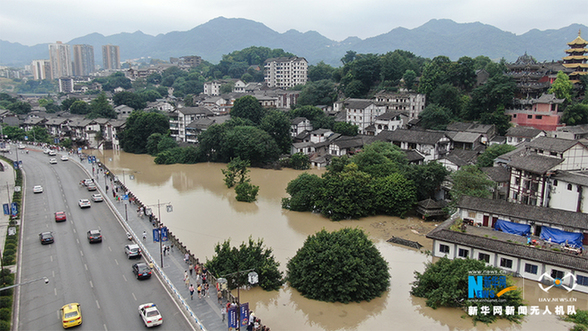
(222, 36)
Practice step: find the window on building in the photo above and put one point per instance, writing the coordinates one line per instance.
(443, 248)
(538, 117)
(514, 115)
(534, 186)
(517, 181)
(506, 263)
(533, 201)
(557, 274)
(463, 252)
(484, 257)
(555, 182)
(525, 199)
(569, 187)
(553, 153)
(531, 268)
(582, 280)
(529, 116)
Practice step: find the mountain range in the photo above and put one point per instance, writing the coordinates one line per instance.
(222, 36)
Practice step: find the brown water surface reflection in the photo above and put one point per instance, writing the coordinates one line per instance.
(205, 213)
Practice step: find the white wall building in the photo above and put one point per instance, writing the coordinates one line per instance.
(285, 72)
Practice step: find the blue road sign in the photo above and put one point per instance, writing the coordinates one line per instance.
(15, 165)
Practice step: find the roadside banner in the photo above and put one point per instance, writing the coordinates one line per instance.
(14, 208)
(156, 235)
(6, 209)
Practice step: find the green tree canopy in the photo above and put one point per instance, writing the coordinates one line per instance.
(321, 92)
(277, 124)
(139, 126)
(99, 107)
(445, 284)
(305, 193)
(469, 180)
(79, 107)
(575, 114)
(346, 129)
(562, 87)
(341, 266)
(250, 143)
(427, 178)
(248, 107)
(228, 260)
(236, 172)
(436, 117)
(130, 99)
(320, 71)
(486, 159)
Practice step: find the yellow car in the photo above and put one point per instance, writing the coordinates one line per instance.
(71, 315)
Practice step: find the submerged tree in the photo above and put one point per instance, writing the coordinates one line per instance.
(251, 255)
(341, 266)
(445, 284)
(236, 172)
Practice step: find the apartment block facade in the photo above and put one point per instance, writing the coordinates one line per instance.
(60, 59)
(83, 60)
(41, 69)
(285, 72)
(110, 57)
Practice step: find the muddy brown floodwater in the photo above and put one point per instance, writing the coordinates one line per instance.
(205, 213)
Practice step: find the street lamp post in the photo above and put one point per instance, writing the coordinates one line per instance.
(159, 230)
(252, 279)
(27, 282)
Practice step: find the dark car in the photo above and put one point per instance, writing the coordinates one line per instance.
(94, 236)
(46, 238)
(141, 270)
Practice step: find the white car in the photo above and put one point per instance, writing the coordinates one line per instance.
(38, 189)
(97, 197)
(52, 153)
(84, 203)
(21, 146)
(64, 158)
(53, 160)
(46, 151)
(150, 315)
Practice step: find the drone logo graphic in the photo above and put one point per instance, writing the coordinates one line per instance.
(557, 282)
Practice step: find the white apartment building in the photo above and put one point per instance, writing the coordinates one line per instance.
(41, 69)
(284, 72)
(410, 103)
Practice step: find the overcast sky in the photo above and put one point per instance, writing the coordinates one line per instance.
(31, 22)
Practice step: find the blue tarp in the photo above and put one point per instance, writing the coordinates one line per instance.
(514, 228)
(574, 239)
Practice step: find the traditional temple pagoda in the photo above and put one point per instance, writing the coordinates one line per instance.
(577, 60)
(532, 78)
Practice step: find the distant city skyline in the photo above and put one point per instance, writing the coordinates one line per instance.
(27, 21)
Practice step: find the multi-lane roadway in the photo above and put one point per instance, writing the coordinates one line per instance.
(98, 275)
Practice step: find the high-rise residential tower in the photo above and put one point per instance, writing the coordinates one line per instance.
(83, 60)
(60, 58)
(111, 57)
(41, 69)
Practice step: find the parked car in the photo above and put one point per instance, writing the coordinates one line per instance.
(38, 189)
(133, 250)
(141, 270)
(94, 236)
(60, 216)
(97, 197)
(84, 203)
(150, 315)
(46, 238)
(71, 315)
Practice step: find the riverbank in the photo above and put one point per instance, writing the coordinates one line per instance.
(410, 228)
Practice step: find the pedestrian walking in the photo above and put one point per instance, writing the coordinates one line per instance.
(203, 291)
(172, 247)
(191, 288)
(219, 295)
(199, 290)
(207, 290)
(164, 250)
(185, 274)
(224, 313)
(186, 257)
(144, 235)
(191, 267)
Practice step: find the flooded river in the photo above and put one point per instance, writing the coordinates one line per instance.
(205, 213)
